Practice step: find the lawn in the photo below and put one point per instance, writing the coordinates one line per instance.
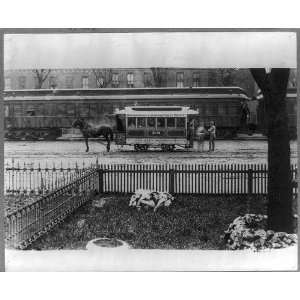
(191, 222)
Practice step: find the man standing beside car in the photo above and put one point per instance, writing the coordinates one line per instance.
(212, 136)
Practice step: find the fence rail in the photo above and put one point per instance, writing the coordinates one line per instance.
(25, 225)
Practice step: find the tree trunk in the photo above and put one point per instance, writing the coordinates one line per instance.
(274, 88)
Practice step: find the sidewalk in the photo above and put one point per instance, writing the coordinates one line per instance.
(114, 259)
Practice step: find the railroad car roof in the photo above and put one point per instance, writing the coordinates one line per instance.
(54, 97)
(126, 91)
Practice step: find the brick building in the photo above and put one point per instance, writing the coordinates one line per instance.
(127, 78)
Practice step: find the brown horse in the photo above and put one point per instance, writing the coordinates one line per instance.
(89, 131)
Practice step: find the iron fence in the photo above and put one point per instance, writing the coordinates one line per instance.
(36, 180)
(26, 224)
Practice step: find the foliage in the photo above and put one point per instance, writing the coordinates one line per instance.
(146, 198)
(249, 232)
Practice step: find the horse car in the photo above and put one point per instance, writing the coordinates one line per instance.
(154, 126)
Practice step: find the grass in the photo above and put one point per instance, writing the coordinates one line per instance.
(191, 222)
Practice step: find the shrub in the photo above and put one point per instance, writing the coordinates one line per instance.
(148, 198)
(248, 232)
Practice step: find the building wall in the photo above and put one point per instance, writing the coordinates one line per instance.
(207, 77)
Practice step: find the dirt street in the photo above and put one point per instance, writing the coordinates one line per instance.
(68, 153)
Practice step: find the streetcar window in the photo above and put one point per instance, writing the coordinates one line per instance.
(131, 122)
(170, 122)
(180, 122)
(151, 122)
(160, 122)
(141, 122)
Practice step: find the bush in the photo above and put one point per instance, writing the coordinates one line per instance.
(153, 199)
(248, 232)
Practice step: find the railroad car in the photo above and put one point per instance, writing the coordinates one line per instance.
(291, 106)
(45, 114)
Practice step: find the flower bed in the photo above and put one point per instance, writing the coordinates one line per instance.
(248, 232)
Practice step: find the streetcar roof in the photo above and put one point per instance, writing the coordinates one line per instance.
(156, 110)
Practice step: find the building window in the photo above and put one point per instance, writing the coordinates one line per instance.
(7, 83)
(147, 79)
(22, 82)
(196, 79)
(130, 80)
(179, 79)
(115, 80)
(69, 82)
(85, 82)
(52, 82)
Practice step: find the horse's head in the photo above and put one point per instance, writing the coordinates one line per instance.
(78, 123)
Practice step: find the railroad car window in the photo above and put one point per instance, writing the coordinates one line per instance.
(221, 109)
(180, 122)
(30, 112)
(170, 122)
(6, 111)
(18, 110)
(160, 122)
(151, 122)
(131, 122)
(141, 122)
(214, 109)
(70, 109)
(93, 110)
(61, 109)
(39, 109)
(48, 108)
(69, 82)
(233, 109)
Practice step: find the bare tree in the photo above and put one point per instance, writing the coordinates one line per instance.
(103, 77)
(274, 89)
(159, 76)
(41, 75)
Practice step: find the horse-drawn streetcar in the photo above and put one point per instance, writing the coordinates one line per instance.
(154, 126)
